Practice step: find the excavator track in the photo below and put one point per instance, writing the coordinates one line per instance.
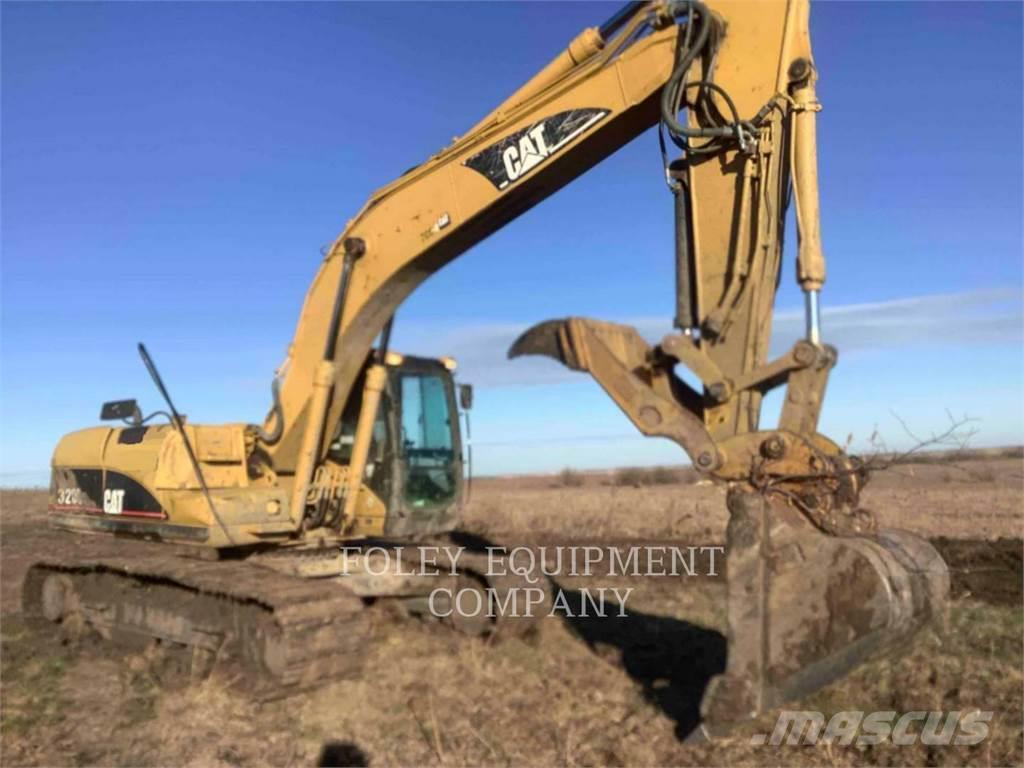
(510, 589)
(287, 634)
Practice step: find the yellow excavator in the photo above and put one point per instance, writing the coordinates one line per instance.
(361, 446)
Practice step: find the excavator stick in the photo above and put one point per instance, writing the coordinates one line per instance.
(813, 588)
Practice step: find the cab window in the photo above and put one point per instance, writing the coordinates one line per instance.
(427, 440)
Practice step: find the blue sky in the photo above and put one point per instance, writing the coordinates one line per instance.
(170, 171)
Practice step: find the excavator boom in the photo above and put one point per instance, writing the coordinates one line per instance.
(588, 102)
(610, 84)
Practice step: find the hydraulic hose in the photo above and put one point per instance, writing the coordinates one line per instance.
(673, 92)
(276, 413)
(619, 19)
(671, 89)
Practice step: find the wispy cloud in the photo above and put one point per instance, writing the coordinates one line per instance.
(994, 316)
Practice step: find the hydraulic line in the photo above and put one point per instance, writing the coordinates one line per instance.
(322, 385)
(276, 413)
(619, 19)
(686, 317)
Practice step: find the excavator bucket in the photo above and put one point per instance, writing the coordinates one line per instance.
(806, 607)
(805, 604)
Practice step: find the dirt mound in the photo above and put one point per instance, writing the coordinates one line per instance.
(992, 571)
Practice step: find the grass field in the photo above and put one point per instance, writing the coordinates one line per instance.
(612, 691)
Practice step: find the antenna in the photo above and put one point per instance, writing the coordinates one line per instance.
(180, 425)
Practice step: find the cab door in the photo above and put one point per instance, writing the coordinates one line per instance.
(428, 482)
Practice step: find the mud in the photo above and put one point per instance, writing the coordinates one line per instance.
(992, 571)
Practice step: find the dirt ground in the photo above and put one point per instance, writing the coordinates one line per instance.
(610, 691)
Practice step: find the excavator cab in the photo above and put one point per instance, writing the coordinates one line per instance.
(415, 464)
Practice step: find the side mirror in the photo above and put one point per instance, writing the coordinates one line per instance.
(121, 410)
(465, 396)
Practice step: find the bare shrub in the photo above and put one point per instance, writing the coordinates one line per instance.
(570, 478)
(688, 475)
(637, 477)
(662, 476)
(630, 477)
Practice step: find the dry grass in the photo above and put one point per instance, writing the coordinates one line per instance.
(435, 699)
(971, 499)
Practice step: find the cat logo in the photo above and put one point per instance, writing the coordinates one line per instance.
(516, 155)
(113, 501)
(531, 150)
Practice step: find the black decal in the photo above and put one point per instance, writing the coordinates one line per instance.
(87, 491)
(76, 489)
(131, 435)
(515, 156)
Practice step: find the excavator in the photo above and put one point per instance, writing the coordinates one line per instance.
(263, 542)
